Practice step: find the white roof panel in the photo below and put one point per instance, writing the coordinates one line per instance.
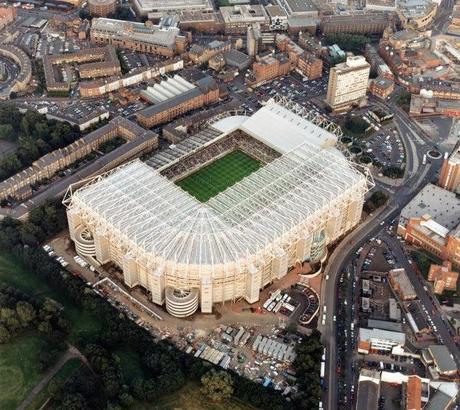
(283, 130)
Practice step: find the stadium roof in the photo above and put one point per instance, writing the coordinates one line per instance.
(158, 216)
(280, 129)
(301, 187)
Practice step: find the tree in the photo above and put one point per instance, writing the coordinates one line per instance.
(6, 132)
(45, 328)
(26, 313)
(217, 385)
(291, 328)
(9, 319)
(5, 335)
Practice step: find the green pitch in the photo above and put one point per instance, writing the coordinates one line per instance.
(219, 175)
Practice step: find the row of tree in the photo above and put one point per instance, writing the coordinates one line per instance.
(165, 368)
(355, 43)
(307, 367)
(35, 136)
(375, 201)
(18, 314)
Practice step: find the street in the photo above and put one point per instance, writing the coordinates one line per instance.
(417, 176)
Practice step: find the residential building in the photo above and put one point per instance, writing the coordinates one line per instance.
(7, 16)
(23, 61)
(443, 277)
(102, 8)
(310, 66)
(347, 83)
(139, 141)
(91, 63)
(381, 87)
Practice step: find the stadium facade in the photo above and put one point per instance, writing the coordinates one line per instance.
(190, 254)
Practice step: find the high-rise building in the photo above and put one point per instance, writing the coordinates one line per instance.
(449, 177)
(347, 83)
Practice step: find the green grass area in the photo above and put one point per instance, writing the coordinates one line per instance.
(83, 323)
(190, 398)
(60, 377)
(19, 369)
(219, 175)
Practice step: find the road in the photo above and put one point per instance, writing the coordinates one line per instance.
(442, 18)
(417, 175)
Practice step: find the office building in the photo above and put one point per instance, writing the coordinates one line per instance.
(237, 18)
(450, 172)
(347, 83)
(174, 97)
(145, 38)
(432, 221)
(156, 9)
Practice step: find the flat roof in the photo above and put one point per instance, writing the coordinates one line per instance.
(442, 205)
(442, 358)
(373, 334)
(297, 6)
(438, 401)
(368, 394)
(385, 325)
(135, 31)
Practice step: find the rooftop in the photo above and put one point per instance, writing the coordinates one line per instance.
(135, 31)
(162, 6)
(297, 6)
(442, 358)
(243, 13)
(441, 205)
(398, 338)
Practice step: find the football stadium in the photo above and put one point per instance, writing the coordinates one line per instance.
(223, 213)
